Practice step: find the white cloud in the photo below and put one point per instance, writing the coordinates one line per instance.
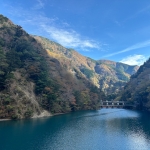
(134, 60)
(69, 38)
(63, 35)
(133, 47)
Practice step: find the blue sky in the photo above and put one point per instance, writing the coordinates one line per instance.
(117, 30)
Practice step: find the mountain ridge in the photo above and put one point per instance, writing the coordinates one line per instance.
(103, 73)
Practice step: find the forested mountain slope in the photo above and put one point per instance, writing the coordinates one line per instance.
(109, 76)
(137, 90)
(34, 83)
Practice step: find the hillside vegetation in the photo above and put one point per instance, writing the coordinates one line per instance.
(107, 75)
(137, 90)
(35, 82)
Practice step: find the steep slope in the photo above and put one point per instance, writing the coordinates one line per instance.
(114, 75)
(109, 76)
(33, 83)
(137, 90)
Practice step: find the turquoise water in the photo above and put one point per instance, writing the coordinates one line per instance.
(105, 129)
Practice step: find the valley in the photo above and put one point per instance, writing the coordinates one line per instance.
(40, 77)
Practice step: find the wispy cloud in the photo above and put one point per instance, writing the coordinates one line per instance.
(63, 35)
(133, 47)
(117, 23)
(69, 38)
(143, 10)
(134, 60)
(37, 20)
(146, 9)
(39, 4)
(54, 28)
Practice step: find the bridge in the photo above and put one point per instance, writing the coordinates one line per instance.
(115, 104)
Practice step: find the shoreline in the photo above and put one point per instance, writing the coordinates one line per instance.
(46, 116)
(5, 119)
(50, 115)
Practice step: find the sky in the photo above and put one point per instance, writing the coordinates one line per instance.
(117, 30)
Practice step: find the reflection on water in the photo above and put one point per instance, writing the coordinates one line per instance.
(106, 129)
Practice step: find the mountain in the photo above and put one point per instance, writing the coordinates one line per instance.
(39, 77)
(137, 90)
(34, 82)
(107, 75)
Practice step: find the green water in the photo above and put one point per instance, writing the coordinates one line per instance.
(106, 129)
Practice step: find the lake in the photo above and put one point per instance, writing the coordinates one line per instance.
(105, 129)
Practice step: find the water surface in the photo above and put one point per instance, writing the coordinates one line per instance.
(105, 129)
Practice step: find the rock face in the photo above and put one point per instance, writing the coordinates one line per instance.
(137, 90)
(107, 75)
(34, 82)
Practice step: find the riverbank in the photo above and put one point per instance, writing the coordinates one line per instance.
(35, 116)
(5, 119)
